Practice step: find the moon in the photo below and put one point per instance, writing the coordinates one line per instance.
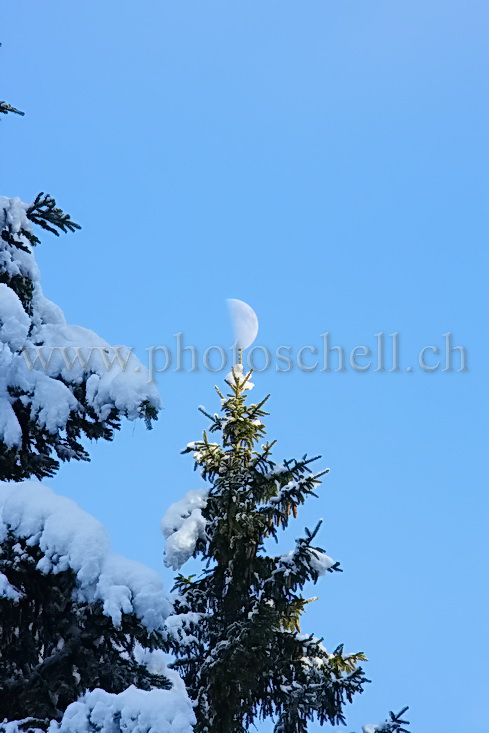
(245, 322)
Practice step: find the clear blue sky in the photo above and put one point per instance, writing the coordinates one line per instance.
(327, 162)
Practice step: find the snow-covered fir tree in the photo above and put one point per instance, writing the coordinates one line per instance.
(82, 630)
(58, 383)
(240, 648)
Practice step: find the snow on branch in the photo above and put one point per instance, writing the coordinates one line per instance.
(68, 537)
(44, 212)
(394, 724)
(183, 525)
(5, 108)
(132, 711)
(57, 379)
(7, 590)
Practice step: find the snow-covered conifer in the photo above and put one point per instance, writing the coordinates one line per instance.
(82, 630)
(237, 639)
(58, 382)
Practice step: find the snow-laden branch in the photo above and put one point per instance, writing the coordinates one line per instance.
(57, 381)
(68, 537)
(183, 525)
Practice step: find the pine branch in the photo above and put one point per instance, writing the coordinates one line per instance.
(44, 212)
(5, 108)
(396, 723)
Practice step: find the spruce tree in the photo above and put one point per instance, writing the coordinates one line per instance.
(81, 630)
(59, 383)
(240, 648)
(74, 618)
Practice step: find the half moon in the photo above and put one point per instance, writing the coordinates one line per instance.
(245, 322)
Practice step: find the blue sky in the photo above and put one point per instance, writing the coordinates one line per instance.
(326, 162)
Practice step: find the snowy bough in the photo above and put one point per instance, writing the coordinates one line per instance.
(58, 382)
(82, 630)
(237, 643)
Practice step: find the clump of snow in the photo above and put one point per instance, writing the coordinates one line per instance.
(39, 352)
(131, 711)
(127, 586)
(319, 561)
(237, 377)
(10, 430)
(183, 525)
(68, 537)
(277, 470)
(134, 710)
(155, 661)
(18, 726)
(15, 261)
(7, 590)
(14, 321)
(179, 626)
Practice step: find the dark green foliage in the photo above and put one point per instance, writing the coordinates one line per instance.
(44, 212)
(246, 658)
(54, 648)
(22, 287)
(35, 458)
(394, 724)
(36, 455)
(5, 108)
